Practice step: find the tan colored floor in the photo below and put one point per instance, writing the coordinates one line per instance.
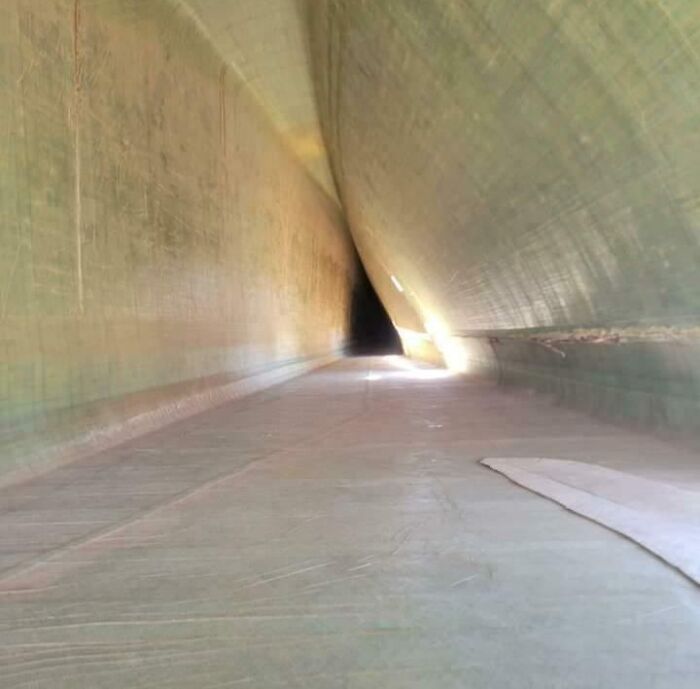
(338, 532)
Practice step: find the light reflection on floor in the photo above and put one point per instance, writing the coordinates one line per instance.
(406, 369)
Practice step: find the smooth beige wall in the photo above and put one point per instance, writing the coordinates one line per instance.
(157, 238)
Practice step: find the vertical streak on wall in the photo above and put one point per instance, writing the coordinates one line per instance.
(222, 108)
(224, 150)
(146, 208)
(77, 84)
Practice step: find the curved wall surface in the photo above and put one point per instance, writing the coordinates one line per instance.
(520, 179)
(529, 174)
(159, 239)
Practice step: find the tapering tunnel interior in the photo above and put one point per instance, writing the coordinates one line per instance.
(370, 330)
(232, 457)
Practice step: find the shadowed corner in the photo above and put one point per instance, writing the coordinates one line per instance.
(371, 331)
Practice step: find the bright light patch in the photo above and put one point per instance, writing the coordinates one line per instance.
(437, 329)
(456, 357)
(397, 284)
(412, 338)
(452, 348)
(403, 363)
(414, 371)
(373, 376)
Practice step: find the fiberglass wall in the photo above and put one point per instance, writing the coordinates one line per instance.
(157, 236)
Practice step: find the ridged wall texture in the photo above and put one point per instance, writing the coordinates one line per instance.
(158, 237)
(528, 172)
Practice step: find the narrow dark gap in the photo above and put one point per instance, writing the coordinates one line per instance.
(371, 329)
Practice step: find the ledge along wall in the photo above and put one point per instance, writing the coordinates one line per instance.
(529, 173)
(162, 249)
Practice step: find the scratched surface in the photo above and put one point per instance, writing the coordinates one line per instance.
(339, 533)
(523, 166)
(155, 229)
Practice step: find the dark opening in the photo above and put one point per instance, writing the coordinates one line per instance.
(371, 329)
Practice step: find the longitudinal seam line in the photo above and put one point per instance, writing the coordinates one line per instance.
(53, 553)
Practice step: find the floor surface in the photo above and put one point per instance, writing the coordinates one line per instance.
(337, 532)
